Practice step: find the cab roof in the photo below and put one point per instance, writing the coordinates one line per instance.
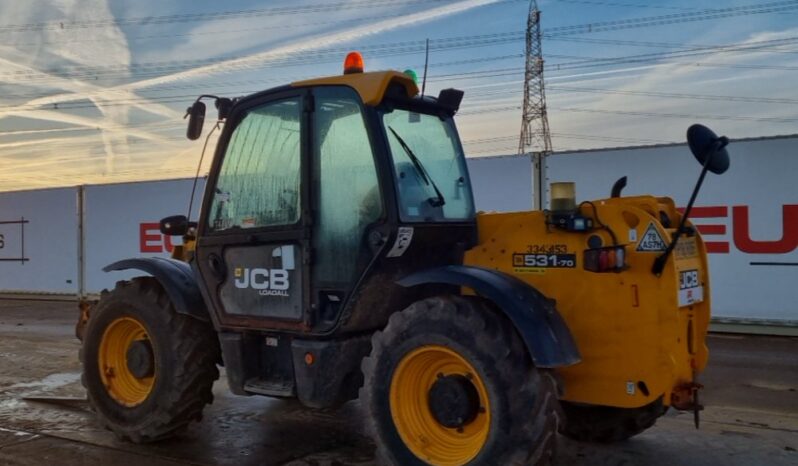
(370, 86)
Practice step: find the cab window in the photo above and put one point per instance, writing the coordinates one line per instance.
(346, 191)
(431, 176)
(258, 184)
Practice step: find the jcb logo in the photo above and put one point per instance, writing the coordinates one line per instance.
(268, 282)
(688, 279)
(273, 281)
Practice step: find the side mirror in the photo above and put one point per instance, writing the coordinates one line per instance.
(175, 225)
(451, 99)
(196, 118)
(708, 148)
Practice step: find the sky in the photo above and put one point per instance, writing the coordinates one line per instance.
(94, 91)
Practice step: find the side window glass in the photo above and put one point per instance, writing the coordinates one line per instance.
(347, 192)
(258, 183)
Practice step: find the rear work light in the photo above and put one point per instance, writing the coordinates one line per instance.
(609, 259)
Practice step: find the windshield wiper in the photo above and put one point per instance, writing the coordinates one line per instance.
(421, 171)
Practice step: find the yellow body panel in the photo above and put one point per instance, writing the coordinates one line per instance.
(628, 326)
(370, 86)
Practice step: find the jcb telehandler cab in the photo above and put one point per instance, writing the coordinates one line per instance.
(338, 255)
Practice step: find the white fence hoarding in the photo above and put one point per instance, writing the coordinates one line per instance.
(121, 221)
(39, 241)
(748, 216)
(501, 184)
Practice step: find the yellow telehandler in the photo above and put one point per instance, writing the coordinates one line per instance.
(338, 255)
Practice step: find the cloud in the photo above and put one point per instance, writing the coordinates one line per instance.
(261, 58)
(712, 74)
(107, 47)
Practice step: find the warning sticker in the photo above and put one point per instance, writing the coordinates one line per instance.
(651, 241)
(403, 239)
(686, 248)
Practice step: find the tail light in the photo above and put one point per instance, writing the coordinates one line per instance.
(608, 259)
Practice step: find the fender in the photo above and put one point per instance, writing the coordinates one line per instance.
(547, 337)
(177, 279)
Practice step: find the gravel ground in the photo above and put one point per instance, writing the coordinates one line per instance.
(751, 415)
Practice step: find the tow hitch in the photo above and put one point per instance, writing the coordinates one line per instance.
(685, 398)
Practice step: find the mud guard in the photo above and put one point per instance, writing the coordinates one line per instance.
(547, 337)
(177, 279)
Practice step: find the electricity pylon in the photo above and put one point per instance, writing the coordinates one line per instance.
(535, 136)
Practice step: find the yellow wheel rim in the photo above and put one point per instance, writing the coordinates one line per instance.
(124, 387)
(409, 398)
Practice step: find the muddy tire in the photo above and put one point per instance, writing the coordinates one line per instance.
(604, 424)
(148, 370)
(449, 381)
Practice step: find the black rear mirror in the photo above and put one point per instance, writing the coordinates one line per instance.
(196, 118)
(708, 148)
(175, 225)
(451, 99)
(710, 151)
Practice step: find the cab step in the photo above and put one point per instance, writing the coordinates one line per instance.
(284, 388)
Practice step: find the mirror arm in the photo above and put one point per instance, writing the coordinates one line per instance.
(662, 259)
(618, 187)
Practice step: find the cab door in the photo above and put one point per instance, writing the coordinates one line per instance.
(347, 202)
(254, 232)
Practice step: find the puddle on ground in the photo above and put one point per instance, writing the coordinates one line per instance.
(50, 382)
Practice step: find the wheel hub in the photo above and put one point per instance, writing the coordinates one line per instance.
(453, 400)
(125, 358)
(140, 360)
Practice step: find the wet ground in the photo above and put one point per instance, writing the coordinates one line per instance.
(751, 416)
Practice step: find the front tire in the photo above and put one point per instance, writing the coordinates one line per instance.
(449, 382)
(148, 371)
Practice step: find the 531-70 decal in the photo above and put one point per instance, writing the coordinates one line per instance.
(536, 262)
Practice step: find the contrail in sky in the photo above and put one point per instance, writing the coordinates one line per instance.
(260, 58)
(81, 91)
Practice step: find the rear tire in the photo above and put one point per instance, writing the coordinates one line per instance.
(461, 339)
(605, 424)
(153, 391)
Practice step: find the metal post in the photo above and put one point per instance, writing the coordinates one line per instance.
(540, 180)
(81, 213)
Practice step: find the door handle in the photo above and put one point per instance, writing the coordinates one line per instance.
(217, 267)
(376, 239)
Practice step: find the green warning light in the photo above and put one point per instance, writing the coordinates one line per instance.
(412, 75)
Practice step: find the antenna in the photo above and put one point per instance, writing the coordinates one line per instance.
(426, 62)
(535, 136)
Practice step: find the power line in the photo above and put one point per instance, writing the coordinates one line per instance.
(434, 78)
(456, 42)
(673, 45)
(442, 77)
(624, 5)
(677, 115)
(194, 17)
(482, 110)
(362, 19)
(675, 18)
(596, 137)
(674, 95)
(390, 49)
(306, 58)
